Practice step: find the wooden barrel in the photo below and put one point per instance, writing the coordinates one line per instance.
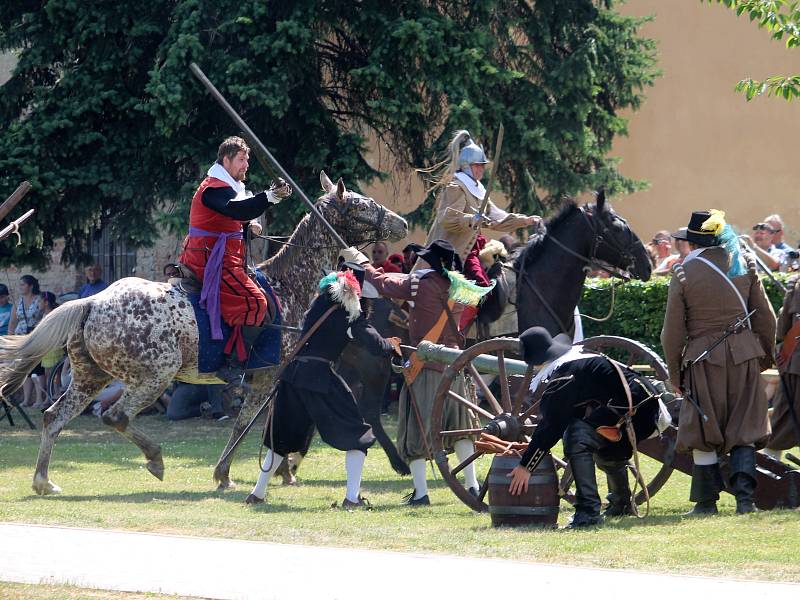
(539, 506)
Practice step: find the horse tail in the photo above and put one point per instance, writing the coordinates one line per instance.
(19, 354)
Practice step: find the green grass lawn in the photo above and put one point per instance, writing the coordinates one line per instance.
(105, 485)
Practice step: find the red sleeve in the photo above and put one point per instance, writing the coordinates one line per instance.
(392, 285)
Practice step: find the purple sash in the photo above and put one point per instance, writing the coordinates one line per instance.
(212, 276)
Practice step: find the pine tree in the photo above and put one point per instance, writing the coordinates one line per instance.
(103, 116)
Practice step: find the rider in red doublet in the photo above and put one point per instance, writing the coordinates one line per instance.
(215, 247)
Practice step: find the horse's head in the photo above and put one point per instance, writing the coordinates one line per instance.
(358, 219)
(615, 243)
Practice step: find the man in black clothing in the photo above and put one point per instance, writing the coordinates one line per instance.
(586, 403)
(311, 393)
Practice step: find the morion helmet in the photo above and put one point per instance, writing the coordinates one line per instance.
(471, 154)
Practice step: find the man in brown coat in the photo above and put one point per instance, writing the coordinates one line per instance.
(786, 411)
(708, 292)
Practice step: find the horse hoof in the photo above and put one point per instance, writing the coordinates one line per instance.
(402, 469)
(46, 488)
(226, 485)
(156, 468)
(289, 479)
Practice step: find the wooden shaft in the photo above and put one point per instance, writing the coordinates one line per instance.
(19, 193)
(12, 227)
(262, 149)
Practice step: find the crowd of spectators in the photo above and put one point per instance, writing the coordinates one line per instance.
(766, 241)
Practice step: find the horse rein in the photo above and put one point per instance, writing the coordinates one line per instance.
(599, 237)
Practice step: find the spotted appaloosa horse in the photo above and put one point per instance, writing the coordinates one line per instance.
(145, 333)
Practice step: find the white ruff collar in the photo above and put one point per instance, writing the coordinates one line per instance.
(217, 171)
(475, 187)
(574, 353)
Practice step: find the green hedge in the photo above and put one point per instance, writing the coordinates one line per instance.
(639, 307)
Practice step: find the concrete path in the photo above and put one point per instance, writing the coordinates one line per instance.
(221, 568)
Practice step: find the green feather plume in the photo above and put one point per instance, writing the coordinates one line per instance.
(464, 291)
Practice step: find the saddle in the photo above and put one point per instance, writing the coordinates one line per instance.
(183, 278)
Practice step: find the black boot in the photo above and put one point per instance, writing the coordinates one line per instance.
(743, 477)
(587, 499)
(706, 486)
(619, 489)
(580, 441)
(232, 372)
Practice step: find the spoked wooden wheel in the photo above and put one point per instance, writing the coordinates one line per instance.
(511, 375)
(512, 410)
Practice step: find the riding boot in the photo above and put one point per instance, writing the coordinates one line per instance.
(580, 441)
(619, 489)
(232, 372)
(587, 499)
(743, 477)
(705, 489)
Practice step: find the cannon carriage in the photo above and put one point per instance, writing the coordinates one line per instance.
(502, 404)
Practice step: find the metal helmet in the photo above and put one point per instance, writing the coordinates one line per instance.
(471, 154)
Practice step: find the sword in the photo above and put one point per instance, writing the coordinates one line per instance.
(498, 147)
(262, 149)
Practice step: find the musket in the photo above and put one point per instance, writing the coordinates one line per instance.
(498, 146)
(734, 327)
(729, 331)
(262, 149)
(763, 266)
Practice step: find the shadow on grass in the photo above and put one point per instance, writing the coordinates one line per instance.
(159, 497)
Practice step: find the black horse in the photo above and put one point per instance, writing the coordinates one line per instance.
(552, 267)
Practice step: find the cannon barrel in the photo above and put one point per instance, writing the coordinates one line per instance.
(484, 363)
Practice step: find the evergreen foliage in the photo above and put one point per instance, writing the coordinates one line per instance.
(103, 116)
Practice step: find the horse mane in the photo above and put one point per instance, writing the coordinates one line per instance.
(304, 235)
(535, 246)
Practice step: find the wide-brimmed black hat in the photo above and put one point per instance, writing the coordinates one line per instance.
(441, 255)
(412, 247)
(680, 234)
(695, 233)
(357, 270)
(539, 347)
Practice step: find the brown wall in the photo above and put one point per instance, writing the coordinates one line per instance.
(699, 143)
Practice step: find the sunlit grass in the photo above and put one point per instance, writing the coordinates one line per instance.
(105, 485)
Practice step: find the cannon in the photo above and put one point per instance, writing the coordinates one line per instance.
(502, 404)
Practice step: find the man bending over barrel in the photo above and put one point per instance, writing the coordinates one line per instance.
(588, 399)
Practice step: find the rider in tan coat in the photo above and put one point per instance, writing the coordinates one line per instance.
(709, 292)
(457, 212)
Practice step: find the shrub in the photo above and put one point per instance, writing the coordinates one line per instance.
(639, 307)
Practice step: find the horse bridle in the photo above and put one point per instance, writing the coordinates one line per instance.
(344, 208)
(599, 237)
